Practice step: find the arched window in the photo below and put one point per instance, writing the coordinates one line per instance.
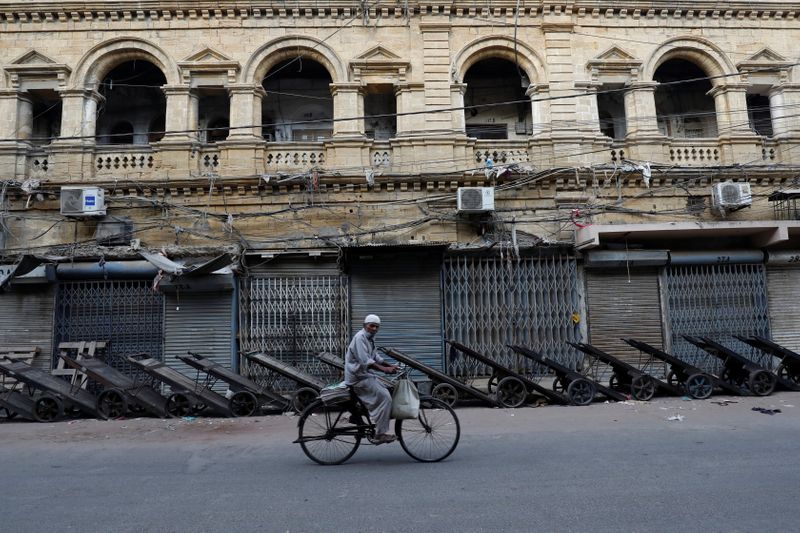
(298, 105)
(133, 95)
(494, 81)
(683, 106)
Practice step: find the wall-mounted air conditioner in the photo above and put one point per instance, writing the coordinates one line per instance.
(475, 199)
(83, 201)
(731, 195)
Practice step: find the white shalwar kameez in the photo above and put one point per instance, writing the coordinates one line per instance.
(360, 355)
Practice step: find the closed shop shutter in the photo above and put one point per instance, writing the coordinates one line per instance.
(293, 311)
(26, 319)
(715, 301)
(491, 302)
(405, 291)
(784, 294)
(126, 313)
(622, 304)
(200, 323)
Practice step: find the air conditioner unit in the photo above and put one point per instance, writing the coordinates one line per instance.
(82, 201)
(475, 199)
(730, 195)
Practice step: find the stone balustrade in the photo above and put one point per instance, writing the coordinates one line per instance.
(502, 152)
(294, 156)
(119, 161)
(694, 152)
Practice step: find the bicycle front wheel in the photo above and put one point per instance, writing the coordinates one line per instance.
(327, 435)
(433, 435)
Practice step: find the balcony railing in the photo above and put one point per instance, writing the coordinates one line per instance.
(122, 160)
(693, 152)
(502, 152)
(380, 154)
(294, 156)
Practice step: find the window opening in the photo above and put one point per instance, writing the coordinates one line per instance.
(379, 99)
(492, 81)
(759, 114)
(611, 111)
(133, 95)
(684, 110)
(214, 107)
(298, 105)
(46, 116)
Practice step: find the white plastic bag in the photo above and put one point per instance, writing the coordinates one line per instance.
(405, 400)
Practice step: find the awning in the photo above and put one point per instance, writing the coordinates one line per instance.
(197, 269)
(25, 265)
(757, 234)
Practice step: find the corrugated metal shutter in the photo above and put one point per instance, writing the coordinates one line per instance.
(26, 319)
(405, 292)
(623, 304)
(200, 323)
(783, 286)
(715, 301)
(492, 302)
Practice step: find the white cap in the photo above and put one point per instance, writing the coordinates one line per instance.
(372, 319)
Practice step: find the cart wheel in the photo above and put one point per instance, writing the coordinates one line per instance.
(511, 392)
(672, 379)
(581, 392)
(784, 372)
(327, 435)
(5, 413)
(47, 409)
(433, 435)
(302, 398)
(112, 404)
(728, 377)
(558, 385)
(243, 403)
(613, 381)
(492, 384)
(699, 386)
(761, 383)
(178, 405)
(446, 393)
(643, 388)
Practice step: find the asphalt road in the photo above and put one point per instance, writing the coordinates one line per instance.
(605, 467)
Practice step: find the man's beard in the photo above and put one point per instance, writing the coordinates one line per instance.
(370, 335)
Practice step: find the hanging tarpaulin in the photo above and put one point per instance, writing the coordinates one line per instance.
(490, 302)
(715, 301)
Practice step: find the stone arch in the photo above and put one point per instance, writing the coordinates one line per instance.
(102, 58)
(702, 52)
(498, 47)
(288, 47)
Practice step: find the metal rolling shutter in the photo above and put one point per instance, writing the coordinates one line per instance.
(201, 323)
(715, 301)
(623, 304)
(784, 294)
(406, 293)
(26, 319)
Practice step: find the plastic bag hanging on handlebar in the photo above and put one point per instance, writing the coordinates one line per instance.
(405, 400)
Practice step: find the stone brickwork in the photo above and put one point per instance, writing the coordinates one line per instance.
(559, 173)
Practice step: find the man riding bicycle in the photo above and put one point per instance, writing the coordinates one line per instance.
(360, 360)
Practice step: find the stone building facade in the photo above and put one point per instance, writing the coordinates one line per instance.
(311, 140)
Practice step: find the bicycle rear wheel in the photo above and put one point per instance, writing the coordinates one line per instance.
(433, 435)
(327, 435)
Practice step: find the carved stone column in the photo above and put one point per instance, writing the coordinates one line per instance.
(640, 110)
(347, 104)
(245, 116)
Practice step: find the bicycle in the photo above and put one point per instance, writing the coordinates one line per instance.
(331, 429)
